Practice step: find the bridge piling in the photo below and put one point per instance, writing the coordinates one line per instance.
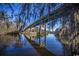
(45, 35)
(39, 36)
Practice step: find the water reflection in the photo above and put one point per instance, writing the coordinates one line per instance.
(20, 45)
(52, 44)
(26, 48)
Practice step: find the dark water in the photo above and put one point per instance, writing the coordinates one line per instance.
(52, 45)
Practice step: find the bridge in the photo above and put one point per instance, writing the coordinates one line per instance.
(62, 11)
(38, 29)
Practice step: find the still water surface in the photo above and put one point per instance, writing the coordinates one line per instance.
(52, 45)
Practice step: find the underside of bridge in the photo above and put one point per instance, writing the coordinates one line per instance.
(39, 29)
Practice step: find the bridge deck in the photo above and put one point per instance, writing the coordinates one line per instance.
(64, 10)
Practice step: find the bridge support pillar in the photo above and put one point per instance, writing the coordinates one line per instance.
(44, 35)
(39, 35)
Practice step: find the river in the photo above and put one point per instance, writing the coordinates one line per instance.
(52, 44)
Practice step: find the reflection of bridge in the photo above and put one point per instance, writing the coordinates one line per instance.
(64, 12)
(39, 28)
(60, 12)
